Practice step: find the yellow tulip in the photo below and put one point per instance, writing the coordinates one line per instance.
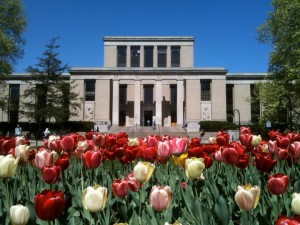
(94, 198)
(194, 167)
(180, 161)
(8, 166)
(256, 139)
(22, 151)
(296, 203)
(133, 142)
(143, 171)
(247, 197)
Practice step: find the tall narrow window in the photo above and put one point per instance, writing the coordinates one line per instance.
(229, 102)
(173, 94)
(135, 56)
(175, 56)
(122, 94)
(148, 56)
(162, 56)
(148, 94)
(121, 60)
(255, 106)
(90, 89)
(14, 99)
(205, 90)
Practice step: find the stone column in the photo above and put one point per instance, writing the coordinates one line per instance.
(115, 106)
(128, 54)
(142, 56)
(168, 56)
(180, 99)
(137, 102)
(158, 102)
(155, 56)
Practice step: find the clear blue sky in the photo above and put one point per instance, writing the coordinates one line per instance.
(224, 30)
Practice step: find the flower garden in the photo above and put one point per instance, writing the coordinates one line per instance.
(112, 179)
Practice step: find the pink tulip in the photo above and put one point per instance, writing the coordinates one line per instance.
(163, 150)
(245, 130)
(160, 197)
(272, 146)
(152, 141)
(133, 183)
(44, 158)
(178, 145)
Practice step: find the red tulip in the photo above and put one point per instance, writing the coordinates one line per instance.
(152, 141)
(208, 160)
(283, 220)
(283, 141)
(92, 159)
(110, 140)
(119, 188)
(67, 143)
(278, 183)
(195, 142)
(183, 185)
(243, 161)
(51, 174)
(63, 161)
(245, 130)
(222, 138)
(195, 152)
(149, 153)
(6, 145)
(231, 153)
(132, 153)
(295, 151)
(246, 139)
(264, 162)
(273, 134)
(49, 205)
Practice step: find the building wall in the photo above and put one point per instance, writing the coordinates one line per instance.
(79, 83)
(242, 102)
(110, 56)
(218, 99)
(102, 103)
(193, 100)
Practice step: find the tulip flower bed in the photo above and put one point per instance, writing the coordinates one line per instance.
(113, 179)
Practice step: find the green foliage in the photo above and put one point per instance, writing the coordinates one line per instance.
(282, 31)
(12, 26)
(51, 94)
(217, 125)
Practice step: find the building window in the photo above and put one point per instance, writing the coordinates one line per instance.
(148, 94)
(14, 99)
(162, 56)
(175, 56)
(135, 56)
(122, 94)
(205, 90)
(255, 106)
(173, 102)
(148, 56)
(229, 102)
(90, 89)
(121, 60)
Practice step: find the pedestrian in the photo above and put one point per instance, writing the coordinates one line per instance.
(46, 132)
(18, 130)
(202, 133)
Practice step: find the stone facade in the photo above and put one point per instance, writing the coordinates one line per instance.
(147, 79)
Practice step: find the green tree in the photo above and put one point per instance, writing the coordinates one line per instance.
(50, 94)
(282, 32)
(12, 26)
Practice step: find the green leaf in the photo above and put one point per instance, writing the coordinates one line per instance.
(221, 210)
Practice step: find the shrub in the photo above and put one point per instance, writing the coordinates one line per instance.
(217, 125)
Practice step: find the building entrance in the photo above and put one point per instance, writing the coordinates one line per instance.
(122, 118)
(148, 116)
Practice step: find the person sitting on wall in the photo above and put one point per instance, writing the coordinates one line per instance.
(18, 130)
(46, 132)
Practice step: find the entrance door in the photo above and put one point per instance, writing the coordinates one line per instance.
(122, 118)
(148, 115)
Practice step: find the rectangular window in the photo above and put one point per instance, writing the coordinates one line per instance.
(229, 102)
(14, 99)
(121, 60)
(162, 56)
(148, 56)
(148, 94)
(175, 56)
(255, 106)
(205, 90)
(135, 56)
(122, 94)
(90, 89)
